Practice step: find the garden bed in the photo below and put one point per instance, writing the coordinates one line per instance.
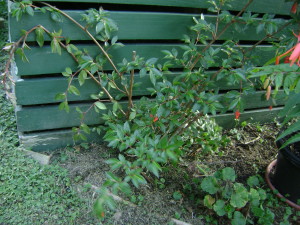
(174, 195)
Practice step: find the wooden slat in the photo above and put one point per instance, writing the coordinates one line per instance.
(132, 26)
(50, 117)
(52, 140)
(43, 61)
(43, 90)
(261, 116)
(271, 6)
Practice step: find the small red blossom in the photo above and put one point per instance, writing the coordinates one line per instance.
(151, 115)
(270, 107)
(294, 7)
(155, 119)
(286, 59)
(237, 114)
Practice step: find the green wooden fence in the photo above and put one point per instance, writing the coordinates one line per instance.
(148, 26)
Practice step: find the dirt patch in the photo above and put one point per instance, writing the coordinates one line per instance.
(249, 151)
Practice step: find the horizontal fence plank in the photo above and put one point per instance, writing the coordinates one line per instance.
(43, 61)
(50, 117)
(52, 140)
(270, 6)
(132, 26)
(252, 116)
(43, 90)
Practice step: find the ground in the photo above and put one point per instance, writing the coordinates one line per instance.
(250, 150)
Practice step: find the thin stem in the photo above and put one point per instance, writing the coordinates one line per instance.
(221, 33)
(269, 35)
(130, 102)
(89, 34)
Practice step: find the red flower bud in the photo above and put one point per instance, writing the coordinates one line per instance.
(237, 114)
(155, 119)
(294, 7)
(286, 59)
(270, 107)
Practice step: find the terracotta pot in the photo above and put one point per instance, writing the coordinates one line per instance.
(268, 176)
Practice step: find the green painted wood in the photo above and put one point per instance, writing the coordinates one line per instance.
(261, 115)
(43, 90)
(43, 61)
(50, 117)
(52, 140)
(262, 6)
(132, 26)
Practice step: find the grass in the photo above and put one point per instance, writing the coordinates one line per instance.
(32, 193)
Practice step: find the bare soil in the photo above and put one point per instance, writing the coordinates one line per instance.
(250, 150)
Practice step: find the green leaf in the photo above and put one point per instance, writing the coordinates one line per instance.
(69, 70)
(177, 195)
(56, 16)
(82, 77)
(99, 208)
(64, 106)
(132, 115)
(291, 129)
(172, 155)
(253, 181)
(219, 207)
(74, 90)
(29, 10)
(240, 196)
(60, 96)
(228, 174)
(100, 105)
(208, 201)
(238, 219)
(39, 32)
(210, 185)
(293, 139)
(85, 128)
(55, 46)
(99, 27)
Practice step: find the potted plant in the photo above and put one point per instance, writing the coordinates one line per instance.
(283, 173)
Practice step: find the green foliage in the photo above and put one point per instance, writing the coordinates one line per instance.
(154, 132)
(239, 203)
(29, 191)
(290, 114)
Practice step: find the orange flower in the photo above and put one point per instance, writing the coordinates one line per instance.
(237, 114)
(295, 56)
(155, 119)
(294, 7)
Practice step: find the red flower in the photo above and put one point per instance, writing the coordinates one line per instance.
(286, 59)
(294, 7)
(237, 114)
(270, 107)
(155, 119)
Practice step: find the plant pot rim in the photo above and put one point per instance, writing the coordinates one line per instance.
(267, 177)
